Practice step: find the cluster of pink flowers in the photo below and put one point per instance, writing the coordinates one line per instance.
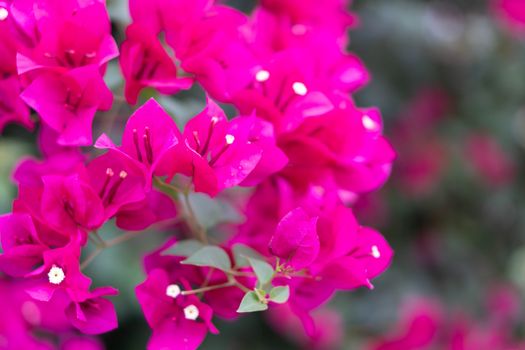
(425, 324)
(299, 141)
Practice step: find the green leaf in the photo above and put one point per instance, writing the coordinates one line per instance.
(241, 252)
(280, 294)
(251, 303)
(211, 256)
(262, 269)
(211, 212)
(184, 248)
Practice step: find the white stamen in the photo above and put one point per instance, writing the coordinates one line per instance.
(229, 139)
(375, 252)
(56, 275)
(109, 172)
(191, 312)
(3, 13)
(262, 75)
(173, 291)
(299, 88)
(369, 123)
(123, 174)
(214, 119)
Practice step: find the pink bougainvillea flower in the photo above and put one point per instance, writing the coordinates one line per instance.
(59, 27)
(344, 257)
(283, 92)
(117, 180)
(489, 160)
(93, 314)
(22, 249)
(178, 321)
(262, 135)
(320, 55)
(145, 63)
(344, 145)
(60, 271)
(205, 38)
(216, 153)
(296, 240)
(67, 102)
(154, 208)
(149, 135)
(69, 204)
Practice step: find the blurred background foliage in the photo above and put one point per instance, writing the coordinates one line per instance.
(451, 85)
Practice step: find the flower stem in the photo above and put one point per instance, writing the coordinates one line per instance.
(210, 288)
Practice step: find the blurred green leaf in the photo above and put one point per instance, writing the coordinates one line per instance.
(251, 303)
(280, 294)
(210, 256)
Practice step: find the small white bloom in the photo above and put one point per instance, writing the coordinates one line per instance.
(375, 252)
(369, 123)
(191, 312)
(299, 88)
(229, 139)
(262, 75)
(173, 291)
(3, 13)
(56, 275)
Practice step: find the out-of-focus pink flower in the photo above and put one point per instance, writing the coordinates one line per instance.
(328, 334)
(345, 146)
(283, 91)
(332, 15)
(489, 160)
(422, 154)
(93, 314)
(145, 63)
(12, 108)
(418, 329)
(511, 14)
(67, 102)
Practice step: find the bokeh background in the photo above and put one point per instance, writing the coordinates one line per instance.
(449, 78)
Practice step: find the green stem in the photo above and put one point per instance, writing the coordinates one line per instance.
(209, 288)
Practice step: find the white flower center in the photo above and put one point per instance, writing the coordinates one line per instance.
(229, 139)
(262, 75)
(299, 88)
(191, 312)
(369, 123)
(173, 291)
(375, 252)
(56, 275)
(3, 13)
